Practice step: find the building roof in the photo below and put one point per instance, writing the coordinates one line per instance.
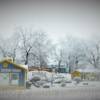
(89, 69)
(24, 67)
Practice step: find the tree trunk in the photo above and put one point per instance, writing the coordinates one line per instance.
(26, 60)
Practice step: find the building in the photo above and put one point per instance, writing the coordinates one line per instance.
(61, 69)
(34, 68)
(76, 74)
(89, 73)
(12, 74)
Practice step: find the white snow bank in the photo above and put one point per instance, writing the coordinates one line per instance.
(49, 75)
(42, 74)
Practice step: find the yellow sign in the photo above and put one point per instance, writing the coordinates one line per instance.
(5, 65)
(76, 74)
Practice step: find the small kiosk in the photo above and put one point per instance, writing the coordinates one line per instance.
(12, 74)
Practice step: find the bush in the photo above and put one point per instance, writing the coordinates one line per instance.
(41, 82)
(77, 80)
(63, 84)
(28, 84)
(36, 84)
(46, 86)
(35, 79)
(58, 81)
(85, 83)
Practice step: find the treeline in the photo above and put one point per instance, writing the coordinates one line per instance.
(35, 48)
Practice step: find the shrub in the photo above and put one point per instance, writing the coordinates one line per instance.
(46, 85)
(77, 79)
(63, 84)
(35, 79)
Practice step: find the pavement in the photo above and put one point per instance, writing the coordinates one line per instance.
(61, 93)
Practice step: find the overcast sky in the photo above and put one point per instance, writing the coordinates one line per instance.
(56, 17)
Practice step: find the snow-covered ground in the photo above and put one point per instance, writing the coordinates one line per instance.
(85, 90)
(90, 83)
(57, 80)
(76, 93)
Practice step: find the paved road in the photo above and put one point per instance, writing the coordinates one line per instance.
(76, 93)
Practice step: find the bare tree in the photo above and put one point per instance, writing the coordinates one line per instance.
(3, 47)
(26, 44)
(73, 52)
(9, 46)
(93, 53)
(42, 48)
(58, 53)
(13, 46)
(34, 47)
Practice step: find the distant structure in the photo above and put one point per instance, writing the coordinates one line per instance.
(88, 74)
(61, 69)
(32, 68)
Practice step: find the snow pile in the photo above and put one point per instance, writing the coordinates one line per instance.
(49, 75)
(24, 66)
(48, 79)
(42, 74)
(63, 77)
